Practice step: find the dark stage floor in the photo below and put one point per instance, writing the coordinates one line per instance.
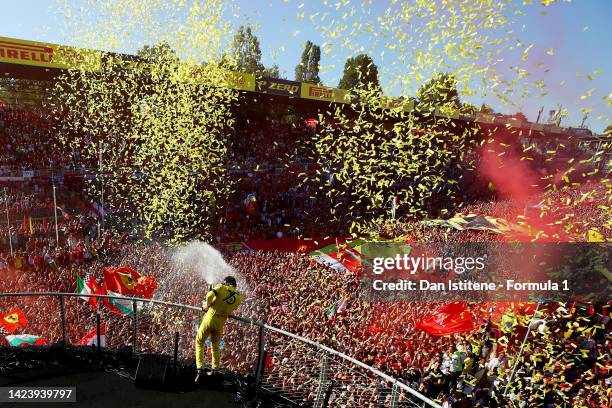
(110, 390)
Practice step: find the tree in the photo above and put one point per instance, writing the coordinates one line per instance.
(246, 51)
(359, 72)
(227, 62)
(468, 109)
(486, 110)
(272, 72)
(308, 68)
(159, 52)
(439, 91)
(608, 131)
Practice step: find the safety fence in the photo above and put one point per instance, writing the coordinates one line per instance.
(307, 373)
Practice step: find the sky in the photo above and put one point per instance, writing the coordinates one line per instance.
(578, 32)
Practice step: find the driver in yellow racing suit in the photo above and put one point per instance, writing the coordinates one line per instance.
(220, 302)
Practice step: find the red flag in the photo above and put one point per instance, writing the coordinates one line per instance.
(13, 320)
(122, 280)
(146, 286)
(269, 362)
(91, 338)
(125, 281)
(450, 319)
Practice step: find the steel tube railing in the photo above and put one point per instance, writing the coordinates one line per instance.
(262, 326)
(63, 317)
(135, 326)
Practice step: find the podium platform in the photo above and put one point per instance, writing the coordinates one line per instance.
(111, 390)
(107, 380)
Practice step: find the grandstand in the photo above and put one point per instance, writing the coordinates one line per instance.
(34, 61)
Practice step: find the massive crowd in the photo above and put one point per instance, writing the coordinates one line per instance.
(28, 140)
(566, 360)
(258, 151)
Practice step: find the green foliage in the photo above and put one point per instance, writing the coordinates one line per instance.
(246, 51)
(308, 68)
(486, 109)
(272, 72)
(439, 92)
(359, 72)
(159, 52)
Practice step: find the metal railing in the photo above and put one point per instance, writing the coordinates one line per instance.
(306, 372)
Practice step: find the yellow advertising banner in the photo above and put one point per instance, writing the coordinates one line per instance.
(485, 118)
(46, 55)
(447, 113)
(242, 81)
(393, 103)
(225, 79)
(324, 93)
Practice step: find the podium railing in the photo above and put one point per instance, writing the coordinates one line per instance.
(304, 371)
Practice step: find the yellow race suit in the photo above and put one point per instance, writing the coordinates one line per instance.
(222, 300)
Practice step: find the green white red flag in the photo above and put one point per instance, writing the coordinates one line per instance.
(24, 340)
(341, 256)
(89, 286)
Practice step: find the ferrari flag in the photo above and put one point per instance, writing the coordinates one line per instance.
(13, 320)
(125, 281)
(450, 319)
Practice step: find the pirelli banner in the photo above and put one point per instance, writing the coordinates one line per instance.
(324, 93)
(46, 55)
